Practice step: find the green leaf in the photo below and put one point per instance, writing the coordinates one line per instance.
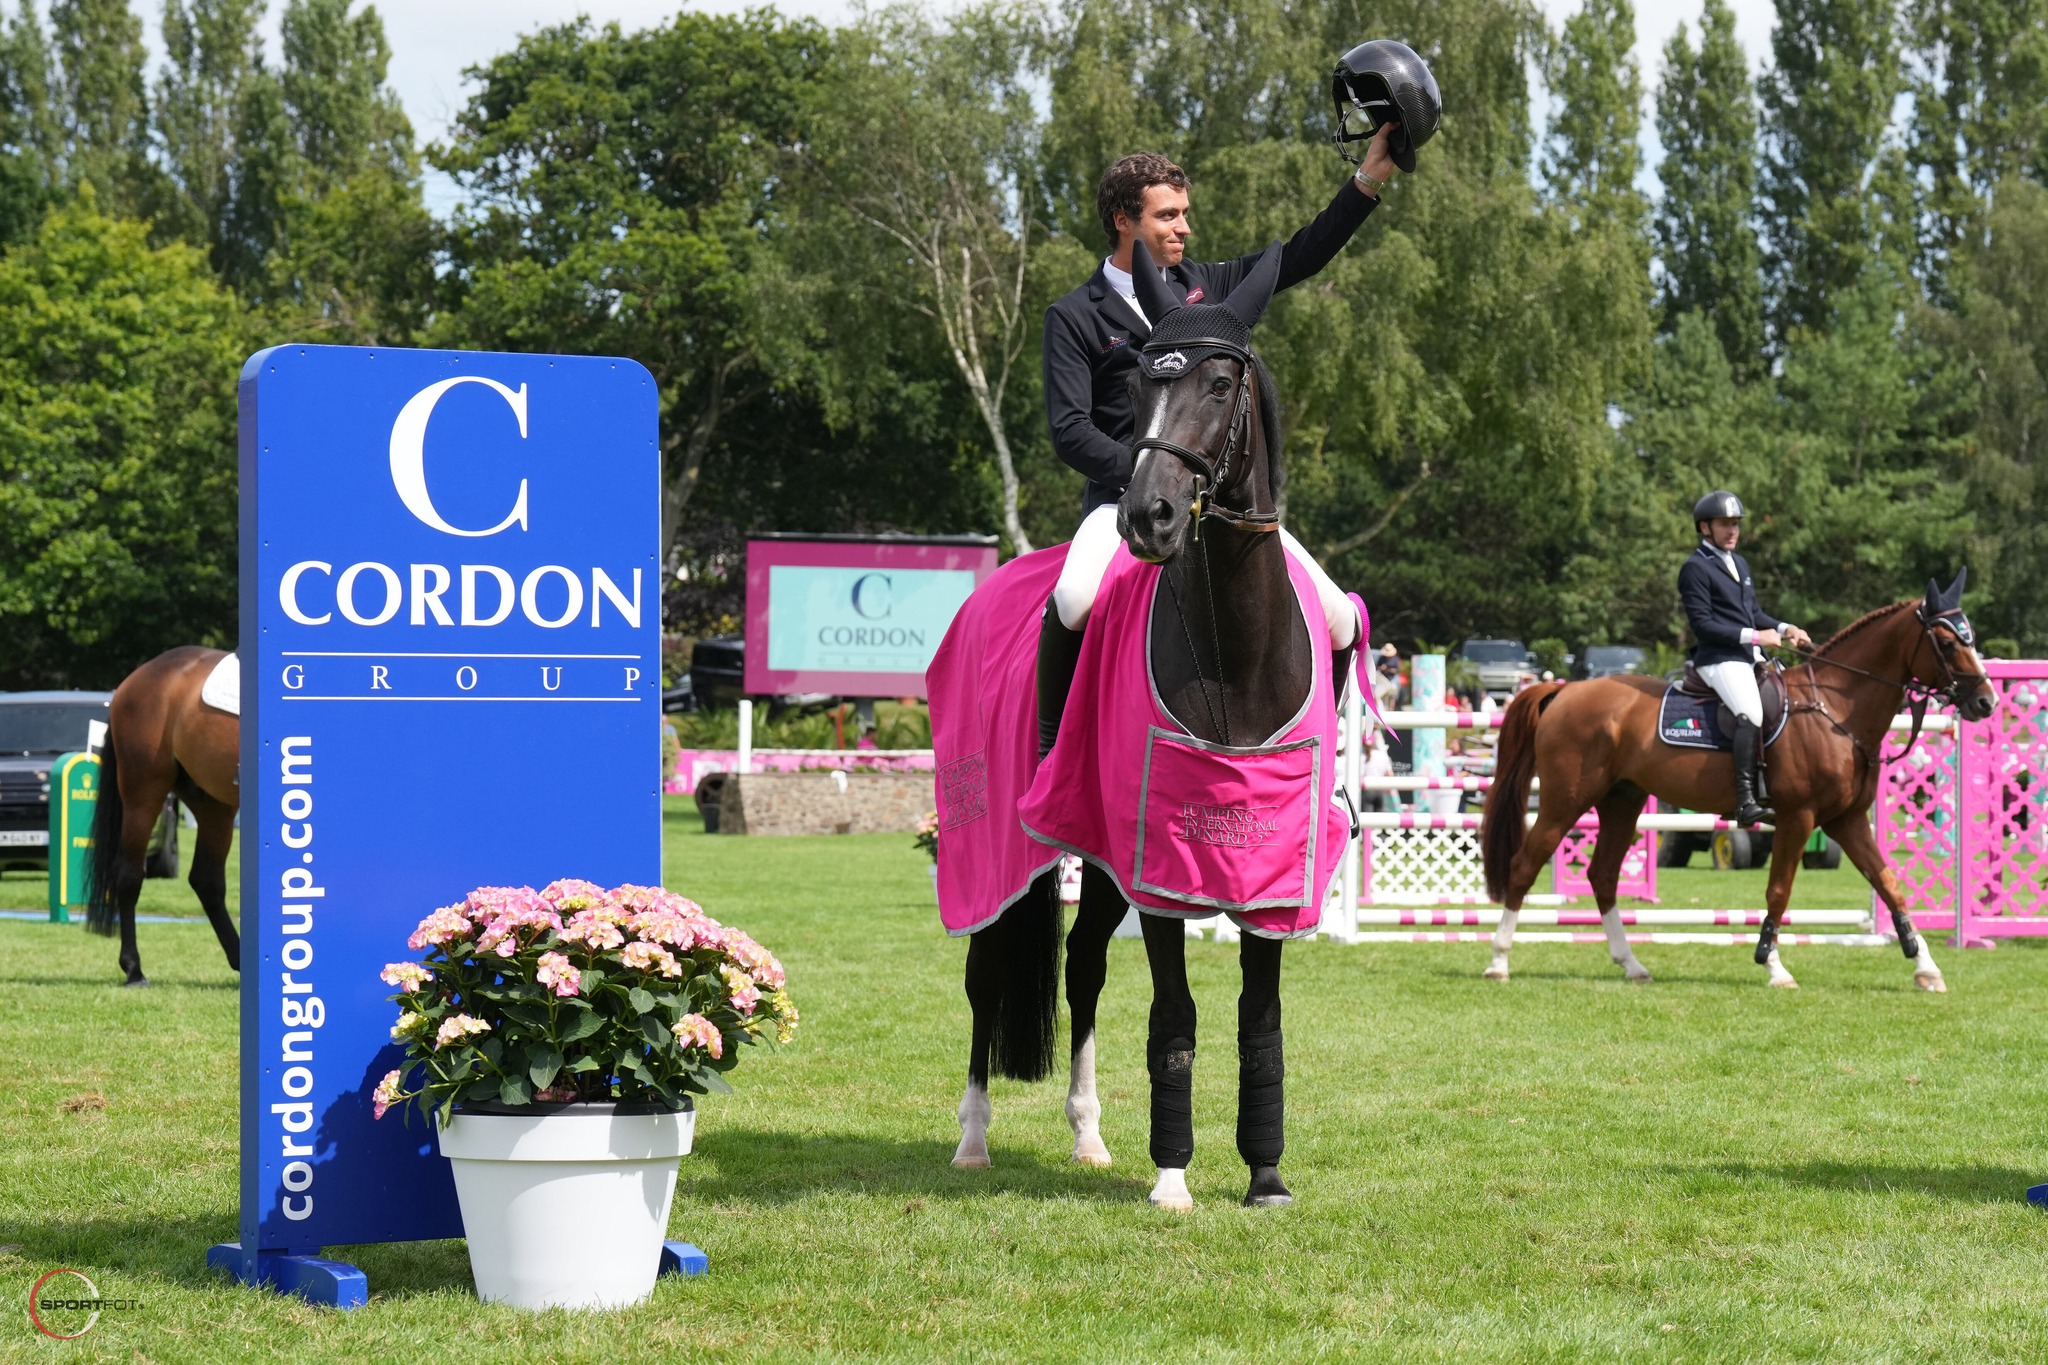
(542, 1064)
(592, 979)
(493, 1050)
(657, 1034)
(482, 1089)
(583, 1065)
(515, 1090)
(641, 1000)
(586, 1022)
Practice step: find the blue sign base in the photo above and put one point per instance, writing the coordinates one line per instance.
(331, 1284)
(681, 1258)
(336, 1284)
(2037, 1195)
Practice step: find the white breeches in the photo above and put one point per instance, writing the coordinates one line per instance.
(1735, 683)
(1095, 543)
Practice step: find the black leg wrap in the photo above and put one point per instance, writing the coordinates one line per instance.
(1172, 1064)
(1059, 653)
(1766, 939)
(1909, 938)
(1261, 1104)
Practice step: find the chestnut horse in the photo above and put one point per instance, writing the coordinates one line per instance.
(1595, 745)
(162, 740)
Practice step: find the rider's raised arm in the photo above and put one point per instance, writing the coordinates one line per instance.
(1306, 252)
(1699, 606)
(1070, 404)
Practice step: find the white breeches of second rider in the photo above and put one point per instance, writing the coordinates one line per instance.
(1735, 683)
(1095, 543)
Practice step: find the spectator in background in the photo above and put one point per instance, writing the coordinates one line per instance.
(1386, 678)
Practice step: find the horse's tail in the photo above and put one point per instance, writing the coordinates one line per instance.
(1028, 943)
(102, 873)
(1502, 826)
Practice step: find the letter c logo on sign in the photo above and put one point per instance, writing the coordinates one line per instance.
(409, 453)
(866, 597)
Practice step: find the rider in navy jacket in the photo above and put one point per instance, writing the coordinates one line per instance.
(1719, 597)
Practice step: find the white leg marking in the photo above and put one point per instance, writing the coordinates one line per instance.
(972, 1154)
(1926, 975)
(1084, 1110)
(1503, 939)
(1618, 948)
(1780, 978)
(1172, 1190)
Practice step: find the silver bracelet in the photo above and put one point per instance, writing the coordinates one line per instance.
(1367, 183)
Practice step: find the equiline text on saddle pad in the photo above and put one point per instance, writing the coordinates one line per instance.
(1688, 720)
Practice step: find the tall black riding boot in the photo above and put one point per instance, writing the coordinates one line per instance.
(1748, 747)
(1059, 653)
(1262, 1116)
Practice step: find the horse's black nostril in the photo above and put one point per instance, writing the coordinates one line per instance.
(1162, 511)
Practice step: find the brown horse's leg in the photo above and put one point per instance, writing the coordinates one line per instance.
(209, 877)
(1794, 828)
(1552, 820)
(1852, 831)
(139, 814)
(1619, 811)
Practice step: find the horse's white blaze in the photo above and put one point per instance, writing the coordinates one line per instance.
(1618, 948)
(974, 1116)
(1084, 1110)
(1779, 976)
(1171, 1190)
(1503, 939)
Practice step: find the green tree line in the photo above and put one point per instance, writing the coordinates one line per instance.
(833, 249)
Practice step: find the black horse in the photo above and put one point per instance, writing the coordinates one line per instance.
(1232, 658)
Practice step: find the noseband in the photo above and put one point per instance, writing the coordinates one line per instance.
(1209, 478)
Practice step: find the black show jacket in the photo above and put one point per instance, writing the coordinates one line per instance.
(1718, 608)
(1092, 336)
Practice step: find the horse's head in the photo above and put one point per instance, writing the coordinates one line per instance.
(1946, 659)
(1202, 420)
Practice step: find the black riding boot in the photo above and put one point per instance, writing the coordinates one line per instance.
(1261, 1117)
(1748, 748)
(1059, 653)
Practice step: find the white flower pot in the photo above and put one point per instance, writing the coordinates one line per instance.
(566, 1209)
(935, 880)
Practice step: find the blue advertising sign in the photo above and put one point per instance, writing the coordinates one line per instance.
(450, 620)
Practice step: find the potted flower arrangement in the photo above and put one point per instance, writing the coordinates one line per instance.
(928, 840)
(556, 1038)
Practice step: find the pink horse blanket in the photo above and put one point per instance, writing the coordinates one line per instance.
(1182, 826)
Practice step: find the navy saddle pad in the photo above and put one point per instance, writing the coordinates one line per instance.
(1689, 721)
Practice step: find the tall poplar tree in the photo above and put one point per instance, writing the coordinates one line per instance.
(28, 131)
(102, 110)
(1980, 115)
(213, 58)
(1705, 221)
(1827, 100)
(1593, 150)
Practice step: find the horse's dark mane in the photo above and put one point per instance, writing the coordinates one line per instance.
(1862, 622)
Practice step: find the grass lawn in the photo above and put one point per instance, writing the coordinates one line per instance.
(1561, 1168)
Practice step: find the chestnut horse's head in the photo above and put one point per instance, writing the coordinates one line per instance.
(1947, 657)
(1207, 421)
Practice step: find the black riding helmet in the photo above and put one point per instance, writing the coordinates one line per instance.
(1719, 503)
(1386, 83)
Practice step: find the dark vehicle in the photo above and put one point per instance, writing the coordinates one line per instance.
(1734, 850)
(1501, 664)
(36, 728)
(718, 670)
(1600, 661)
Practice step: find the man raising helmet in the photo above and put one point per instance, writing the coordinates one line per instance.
(1732, 632)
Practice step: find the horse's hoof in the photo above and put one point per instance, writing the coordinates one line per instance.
(1932, 983)
(1267, 1191)
(1181, 1202)
(1640, 977)
(970, 1161)
(1784, 983)
(135, 981)
(1495, 974)
(1091, 1154)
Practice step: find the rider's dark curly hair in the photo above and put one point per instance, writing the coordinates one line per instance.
(1124, 184)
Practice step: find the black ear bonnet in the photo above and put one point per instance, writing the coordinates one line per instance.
(1185, 335)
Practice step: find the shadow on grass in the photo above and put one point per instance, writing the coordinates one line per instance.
(1971, 1184)
(769, 1166)
(168, 1246)
(112, 981)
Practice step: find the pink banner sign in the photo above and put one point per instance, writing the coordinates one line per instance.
(853, 615)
